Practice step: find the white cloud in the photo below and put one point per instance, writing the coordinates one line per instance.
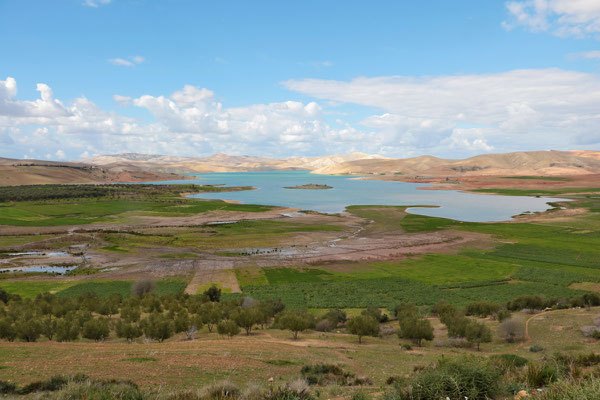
(455, 115)
(189, 121)
(590, 55)
(95, 3)
(579, 18)
(122, 62)
(521, 108)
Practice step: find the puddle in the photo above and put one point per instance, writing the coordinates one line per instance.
(41, 268)
(40, 253)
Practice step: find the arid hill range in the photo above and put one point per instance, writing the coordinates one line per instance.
(133, 167)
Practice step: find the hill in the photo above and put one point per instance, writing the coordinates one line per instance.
(512, 164)
(222, 162)
(38, 172)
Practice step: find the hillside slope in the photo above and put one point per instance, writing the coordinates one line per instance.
(518, 163)
(38, 172)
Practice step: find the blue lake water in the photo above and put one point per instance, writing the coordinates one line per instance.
(346, 191)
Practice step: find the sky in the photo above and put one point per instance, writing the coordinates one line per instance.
(453, 79)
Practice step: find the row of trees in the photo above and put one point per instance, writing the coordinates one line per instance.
(158, 318)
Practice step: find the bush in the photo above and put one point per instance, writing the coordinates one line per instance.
(482, 308)
(571, 390)
(538, 375)
(7, 387)
(458, 379)
(536, 349)
(221, 391)
(294, 390)
(509, 361)
(330, 374)
(533, 302)
(323, 325)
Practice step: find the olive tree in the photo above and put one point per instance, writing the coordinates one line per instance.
(363, 325)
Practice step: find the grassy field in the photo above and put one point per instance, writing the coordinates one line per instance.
(73, 288)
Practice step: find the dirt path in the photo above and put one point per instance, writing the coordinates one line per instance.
(223, 275)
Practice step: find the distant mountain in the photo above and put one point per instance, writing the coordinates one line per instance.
(221, 162)
(37, 172)
(518, 163)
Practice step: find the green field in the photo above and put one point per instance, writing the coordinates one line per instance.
(72, 289)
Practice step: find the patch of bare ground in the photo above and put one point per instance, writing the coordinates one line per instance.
(224, 277)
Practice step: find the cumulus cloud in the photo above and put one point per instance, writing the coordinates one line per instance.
(557, 106)
(579, 18)
(122, 62)
(455, 115)
(189, 121)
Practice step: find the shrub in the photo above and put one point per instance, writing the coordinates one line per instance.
(509, 361)
(363, 325)
(221, 391)
(533, 302)
(128, 330)
(482, 308)
(571, 390)
(536, 349)
(7, 387)
(336, 317)
(458, 379)
(330, 374)
(323, 325)
(538, 375)
(503, 315)
(375, 313)
(294, 390)
(143, 287)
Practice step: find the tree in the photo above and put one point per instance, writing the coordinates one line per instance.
(4, 296)
(67, 330)
(363, 325)
(246, 318)
(375, 313)
(157, 327)
(228, 327)
(130, 313)
(128, 330)
(211, 315)
(213, 293)
(195, 325)
(182, 321)
(415, 329)
(7, 331)
(48, 326)
(512, 329)
(478, 332)
(95, 329)
(295, 321)
(28, 329)
(143, 287)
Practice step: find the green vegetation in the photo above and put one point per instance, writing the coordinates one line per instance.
(310, 186)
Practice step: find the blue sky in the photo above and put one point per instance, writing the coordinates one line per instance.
(281, 78)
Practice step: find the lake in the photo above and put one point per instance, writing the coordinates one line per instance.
(346, 191)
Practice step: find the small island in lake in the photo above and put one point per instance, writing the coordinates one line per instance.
(310, 186)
